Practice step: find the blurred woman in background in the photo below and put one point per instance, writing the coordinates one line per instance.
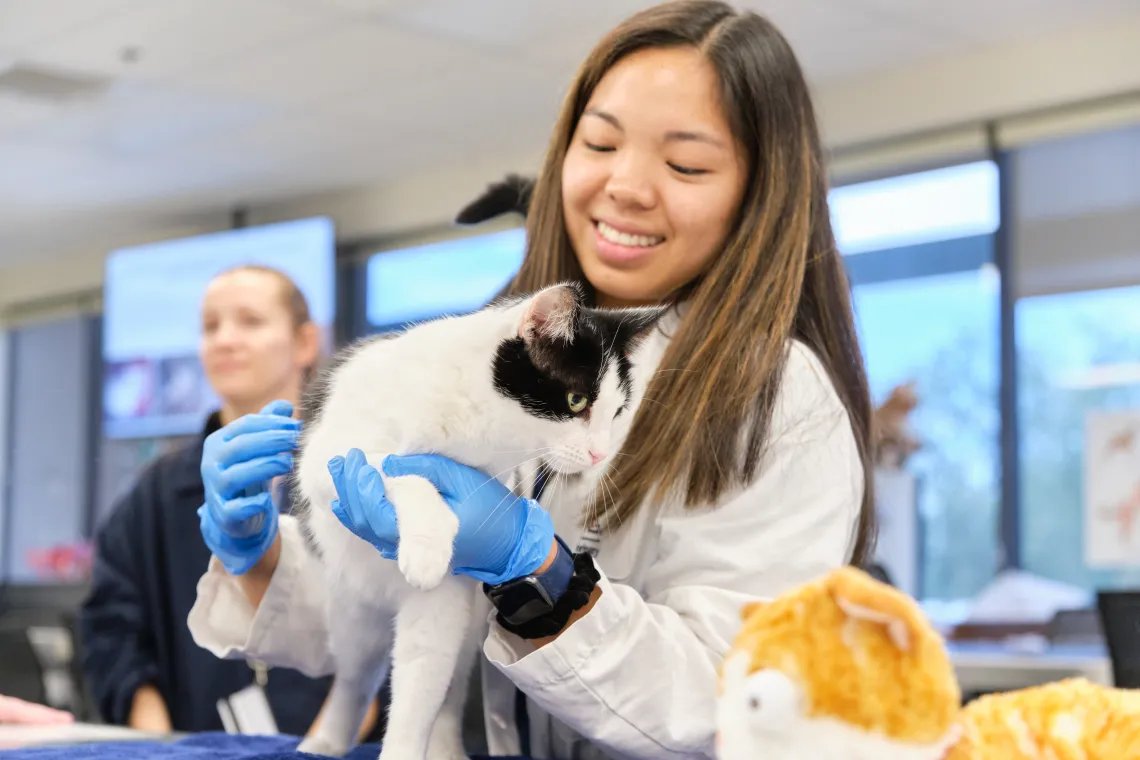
(258, 344)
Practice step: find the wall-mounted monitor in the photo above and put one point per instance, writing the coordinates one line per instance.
(447, 278)
(153, 383)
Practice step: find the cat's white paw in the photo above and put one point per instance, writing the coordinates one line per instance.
(446, 748)
(425, 562)
(434, 753)
(427, 530)
(394, 751)
(319, 745)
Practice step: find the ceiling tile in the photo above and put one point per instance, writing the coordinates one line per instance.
(840, 40)
(135, 120)
(514, 23)
(252, 100)
(482, 89)
(985, 21)
(175, 35)
(833, 40)
(38, 174)
(28, 22)
(18, 116)
(350, 7)
(337, 61)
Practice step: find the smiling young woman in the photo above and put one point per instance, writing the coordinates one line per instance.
(684, 170)
(686, 167)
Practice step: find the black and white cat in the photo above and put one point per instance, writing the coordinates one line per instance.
(526, 378)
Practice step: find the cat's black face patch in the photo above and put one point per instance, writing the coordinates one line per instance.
(624, 329)
(541, 374)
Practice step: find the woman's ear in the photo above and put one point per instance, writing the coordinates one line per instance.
(307, 345)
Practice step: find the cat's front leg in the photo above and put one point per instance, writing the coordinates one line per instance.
(427, 530)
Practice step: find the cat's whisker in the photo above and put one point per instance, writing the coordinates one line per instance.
(613, 498)
(592, 507)
(617, 492)
(599, 499)
(505, 498)
(613, 339)
(599, 495)
(500, 474)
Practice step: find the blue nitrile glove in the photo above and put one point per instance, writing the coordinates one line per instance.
(239, 519)
(501, 536)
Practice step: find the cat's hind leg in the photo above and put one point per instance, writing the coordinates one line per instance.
(446, 740)
(361, 641)
(432, 631)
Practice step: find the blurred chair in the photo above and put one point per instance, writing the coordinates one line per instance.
(879, 573)
(1079, 626)
(21, 674)
(82, 703)
(1120, 617)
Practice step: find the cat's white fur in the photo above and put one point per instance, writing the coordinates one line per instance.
(428, 390)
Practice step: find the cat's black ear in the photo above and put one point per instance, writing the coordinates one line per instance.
(511, 194)
(552, 314)
(627, 327)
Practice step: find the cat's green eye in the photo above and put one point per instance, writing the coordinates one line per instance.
(576, 401)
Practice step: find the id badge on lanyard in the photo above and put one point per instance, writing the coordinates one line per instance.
(248, 711)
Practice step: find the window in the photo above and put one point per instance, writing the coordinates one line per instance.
(919, 251)
(1077, 353)
(5, 404)
(1077, 318)
(53, 374)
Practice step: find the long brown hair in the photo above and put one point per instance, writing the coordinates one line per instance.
(779, 275)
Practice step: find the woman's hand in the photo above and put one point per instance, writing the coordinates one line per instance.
(239, 519)
(19, 712)
(149, 711)
(501, 536)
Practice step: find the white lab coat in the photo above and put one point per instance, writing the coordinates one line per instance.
(636, 676)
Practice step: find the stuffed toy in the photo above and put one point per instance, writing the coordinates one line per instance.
(891, 433)
(848, 668)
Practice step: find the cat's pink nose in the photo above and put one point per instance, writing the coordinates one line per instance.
(596, 457)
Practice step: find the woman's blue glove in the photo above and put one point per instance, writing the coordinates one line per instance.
(501, 536)
(239, 519)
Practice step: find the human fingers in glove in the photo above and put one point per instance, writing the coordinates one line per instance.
(239, 517)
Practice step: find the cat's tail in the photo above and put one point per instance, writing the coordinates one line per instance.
(510, 195)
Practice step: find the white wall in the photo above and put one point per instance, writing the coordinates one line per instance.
(4, 406)
(1076, 224)
(1088, 63)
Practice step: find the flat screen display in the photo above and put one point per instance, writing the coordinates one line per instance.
(153, 383)
(449, 278)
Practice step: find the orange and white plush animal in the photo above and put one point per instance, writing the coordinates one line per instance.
(847, 668)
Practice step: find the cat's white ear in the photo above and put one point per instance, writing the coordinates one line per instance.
(551, 313)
